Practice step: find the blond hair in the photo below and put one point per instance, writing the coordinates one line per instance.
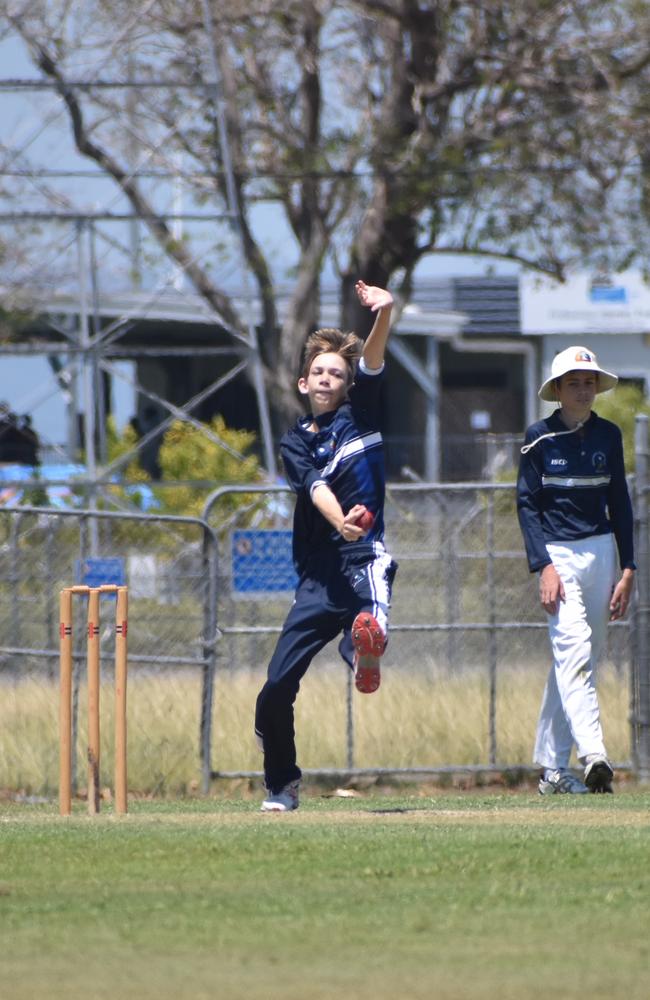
(331, 341)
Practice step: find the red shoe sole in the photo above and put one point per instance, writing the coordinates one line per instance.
(367, 636)
(369, 642)
(367, 677)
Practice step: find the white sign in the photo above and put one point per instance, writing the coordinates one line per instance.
(143, 575)
(480, 420)
(584, 304)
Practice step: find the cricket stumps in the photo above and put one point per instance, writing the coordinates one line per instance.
(93, 678)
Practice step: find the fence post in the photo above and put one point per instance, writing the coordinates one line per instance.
(209, 555)
(349, 705)
(14, 581)
(492, 635)
(448, 546)
(640, 713)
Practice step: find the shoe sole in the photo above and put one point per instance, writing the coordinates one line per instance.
(367, 676)
(548, 788)
(369, 643)
(599, 779)
(275, 807)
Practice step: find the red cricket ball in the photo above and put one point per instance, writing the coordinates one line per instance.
(366, 520)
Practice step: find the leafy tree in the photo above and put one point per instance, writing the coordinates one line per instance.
(186, 454)
(385, 130)
(35, 496)
(195, 462)
(122, 444)
(622, 405)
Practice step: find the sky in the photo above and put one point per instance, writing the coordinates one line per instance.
(28, 384)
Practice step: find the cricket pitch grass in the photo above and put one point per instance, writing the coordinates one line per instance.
(429, 895)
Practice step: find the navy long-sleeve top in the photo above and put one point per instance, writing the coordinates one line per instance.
(573, 486)
(346, 454)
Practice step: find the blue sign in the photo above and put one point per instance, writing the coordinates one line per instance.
(608, 293)
(95, 572)
(262, 562)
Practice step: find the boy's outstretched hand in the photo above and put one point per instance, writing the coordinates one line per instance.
(372, 296)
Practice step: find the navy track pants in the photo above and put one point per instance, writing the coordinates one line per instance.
(326, 603)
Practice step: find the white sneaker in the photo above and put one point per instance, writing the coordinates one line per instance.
(283, 801)
(598, 774)
(561, 782)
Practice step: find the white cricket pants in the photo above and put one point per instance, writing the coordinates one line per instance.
(570, 714)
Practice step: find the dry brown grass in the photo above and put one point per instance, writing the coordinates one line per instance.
(424, 718)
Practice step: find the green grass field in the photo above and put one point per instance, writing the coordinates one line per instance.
(430, 895)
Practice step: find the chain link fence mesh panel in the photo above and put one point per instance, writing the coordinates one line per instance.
(169, 568)
(468, 656)
(462, 676)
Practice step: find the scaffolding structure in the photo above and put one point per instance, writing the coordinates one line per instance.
(87, 324)
(90, 317)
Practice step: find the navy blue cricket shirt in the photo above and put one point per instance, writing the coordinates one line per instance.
(572, 487)
(346, 454)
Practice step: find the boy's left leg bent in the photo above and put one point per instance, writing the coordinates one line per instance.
(369, 642)
(367, 636)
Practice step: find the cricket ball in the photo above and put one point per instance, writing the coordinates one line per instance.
(366, 520)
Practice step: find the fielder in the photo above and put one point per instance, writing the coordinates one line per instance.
(334, 462)
(575, 515)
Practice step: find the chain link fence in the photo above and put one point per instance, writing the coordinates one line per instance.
(169, 564)
(467, 659)
(462, 676)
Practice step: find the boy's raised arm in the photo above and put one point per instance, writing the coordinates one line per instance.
(380, 301)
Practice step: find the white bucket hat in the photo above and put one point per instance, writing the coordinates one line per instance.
(574, 359)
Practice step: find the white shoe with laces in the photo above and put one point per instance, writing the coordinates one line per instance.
(561, 782)
(284, 801)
